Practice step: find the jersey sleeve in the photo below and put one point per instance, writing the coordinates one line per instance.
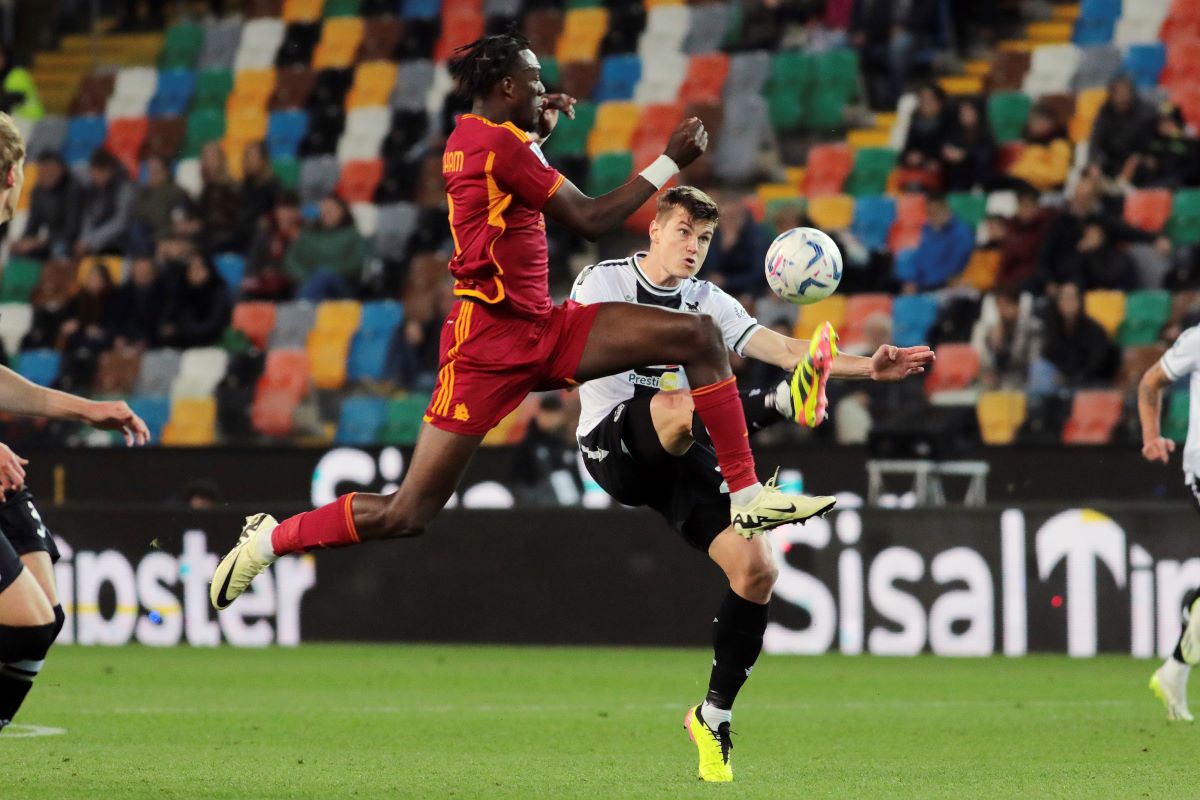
(594, 286)
(520, 168)
(733, 319)
(1184, 356)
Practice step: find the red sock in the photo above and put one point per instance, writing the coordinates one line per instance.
(330, 525)
(720, 409)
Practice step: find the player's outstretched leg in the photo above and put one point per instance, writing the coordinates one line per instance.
(1169, 682)
(625, 336)
(28, 626)
(438, 463)
(738, 629)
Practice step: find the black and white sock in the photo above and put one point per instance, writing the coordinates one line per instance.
(738, 632)
(22, 654)
(761, 407)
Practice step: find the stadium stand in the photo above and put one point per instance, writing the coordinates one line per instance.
(351, 98)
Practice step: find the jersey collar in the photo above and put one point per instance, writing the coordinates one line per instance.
(649, 285)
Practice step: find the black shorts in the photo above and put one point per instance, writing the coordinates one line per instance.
(21, 531)
(624, 455)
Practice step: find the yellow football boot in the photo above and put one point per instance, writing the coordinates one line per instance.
(714, 747)
(812, 373)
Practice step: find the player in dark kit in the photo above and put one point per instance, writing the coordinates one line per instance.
(504, 338)
(30, 615)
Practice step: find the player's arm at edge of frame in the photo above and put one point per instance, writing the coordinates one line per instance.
(1149, 400)
(22, 397)
(592, 216)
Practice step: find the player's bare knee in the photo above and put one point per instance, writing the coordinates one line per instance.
(672, 414)
(756, 580)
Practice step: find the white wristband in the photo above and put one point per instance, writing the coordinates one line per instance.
(661, 171)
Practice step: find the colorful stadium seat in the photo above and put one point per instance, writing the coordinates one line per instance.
(1094, 415)
(1146, 313)
(832, 212)
(912, 317)
(370, 345)
(174, 93)
(256, 320)
(18, 280)
(1184, 226)
(957, 366)
(1000, 414)
(829, 165)
(1106, 307)
(859, 309)
(361, 420)
(39, 366)
(403, 419)
(873, 220)
(1148, 209)
(154, 410)
(872, 166)
(1007, 112)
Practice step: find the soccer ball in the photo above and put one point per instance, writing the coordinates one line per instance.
(803, 266)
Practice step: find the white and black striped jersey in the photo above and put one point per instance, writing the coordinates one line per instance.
(1183, 361)
(623, 280)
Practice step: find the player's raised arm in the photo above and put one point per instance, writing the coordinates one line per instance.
(592, 216)
(889, 363)
(19, 396)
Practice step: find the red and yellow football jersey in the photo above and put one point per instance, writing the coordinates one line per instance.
(497, 182)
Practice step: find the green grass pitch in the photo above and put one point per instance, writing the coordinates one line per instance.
(327, 721)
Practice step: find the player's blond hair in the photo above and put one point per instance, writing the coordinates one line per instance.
(698, 205)
(12, 146)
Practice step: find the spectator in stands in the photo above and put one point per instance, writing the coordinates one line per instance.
(543, 469)
(18, 94)
(888, 34)
(929, 133)
(968, 155)
(943, 252)
(274, 234)
(200, 310)
(1097, 263)
(1007, 337)
(140, 302)
(155, 207)
(1045, 158)
(54, 211)
(1076, 351)
(326, 260)
(51, 301)
(89, 331)
(107, 202)
(1123, 126)
(218, 205)
(1066, 230)
(1170, 158)
(260, 188)
(738, 248)
(1022, 243)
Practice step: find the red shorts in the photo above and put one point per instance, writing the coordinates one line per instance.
(490, 361)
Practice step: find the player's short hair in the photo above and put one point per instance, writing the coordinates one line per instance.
(698, 205)
(477, 67)
(12, 146)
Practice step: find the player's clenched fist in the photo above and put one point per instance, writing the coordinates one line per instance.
(687, 143)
